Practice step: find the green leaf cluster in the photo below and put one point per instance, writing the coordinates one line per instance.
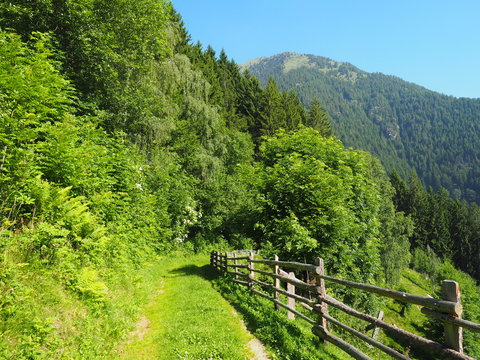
(318, 199)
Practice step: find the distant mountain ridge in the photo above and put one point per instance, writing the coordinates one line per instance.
(406, 125)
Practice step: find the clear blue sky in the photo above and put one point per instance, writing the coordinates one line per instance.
(435, 44)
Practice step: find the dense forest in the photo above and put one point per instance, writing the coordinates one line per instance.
(121, 140)
(419, 135)
(407, 126)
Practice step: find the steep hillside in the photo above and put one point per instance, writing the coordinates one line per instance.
(121, 141)
(406, 125)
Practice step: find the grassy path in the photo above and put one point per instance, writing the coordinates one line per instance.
(188, 319)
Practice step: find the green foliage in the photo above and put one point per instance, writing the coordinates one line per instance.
(395, 229)
(287, 340)
(90, 286)
(274, 114)
(66, 184)
(32, 94)
(449, 227)
(318, 200)
(428, 263)
(407, 126)
(64, 223)
(108, 47)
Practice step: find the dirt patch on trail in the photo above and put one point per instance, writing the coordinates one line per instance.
(258, 350)
(141, 329)
(255, 345)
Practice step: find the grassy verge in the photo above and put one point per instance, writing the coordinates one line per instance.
(45, 319)
(179, 314)
(188, 319)
(287, 339)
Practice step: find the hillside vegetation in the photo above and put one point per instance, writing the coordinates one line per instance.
(121, 141)
(427, 140)
(407, 126)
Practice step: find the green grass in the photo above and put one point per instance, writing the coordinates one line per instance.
(293, 339)
(184, 316)
(287, 339)
(46, 319)
(188, 318)
(295, 61)
(413, 320)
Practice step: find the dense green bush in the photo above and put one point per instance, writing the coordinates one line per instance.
(318, 200)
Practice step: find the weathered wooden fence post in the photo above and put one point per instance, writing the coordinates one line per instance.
(251, 266)
(212, 258)
(453, 333)
(291, 301)
(376, 329)
(225, 261)
(276, 282)
(235, 264)
(321, 293)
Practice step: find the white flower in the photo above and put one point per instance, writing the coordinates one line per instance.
(139, 186)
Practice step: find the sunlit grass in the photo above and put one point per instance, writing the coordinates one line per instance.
(188, 319)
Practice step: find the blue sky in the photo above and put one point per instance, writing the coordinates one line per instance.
(435, 44)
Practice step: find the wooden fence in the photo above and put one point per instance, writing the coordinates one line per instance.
(448, 310)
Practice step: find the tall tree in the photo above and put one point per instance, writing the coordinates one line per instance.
(274, 111)
(318, 119)
(294, 111)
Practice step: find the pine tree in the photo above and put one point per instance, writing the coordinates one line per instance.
(294, 111)
(250, 103)
(274, 112)
(318, 119)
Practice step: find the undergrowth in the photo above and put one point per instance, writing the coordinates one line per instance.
(288, 340)
(46, 320)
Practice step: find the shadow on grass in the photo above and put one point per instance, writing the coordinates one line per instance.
(417, 283)
(206, 271)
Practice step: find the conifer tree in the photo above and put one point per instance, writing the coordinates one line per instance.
(250, 103)
(274, 112)
(318, 119)
(294, 111)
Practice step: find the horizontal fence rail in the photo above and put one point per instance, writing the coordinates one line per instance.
(449, 307)
(448, 310)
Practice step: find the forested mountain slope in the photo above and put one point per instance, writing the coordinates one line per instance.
(407, 126)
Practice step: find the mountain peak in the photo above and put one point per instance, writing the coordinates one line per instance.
(286, 62)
